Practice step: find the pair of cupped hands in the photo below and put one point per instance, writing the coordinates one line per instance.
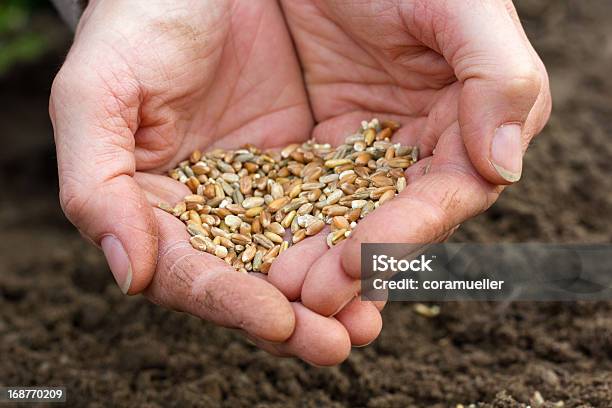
(148, 82)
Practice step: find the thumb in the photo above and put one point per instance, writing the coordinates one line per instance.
(94, 141)
(501, 82)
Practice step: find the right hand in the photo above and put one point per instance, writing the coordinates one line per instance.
(146, 83)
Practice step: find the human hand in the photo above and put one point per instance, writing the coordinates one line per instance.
(468, 88)
(144, 85)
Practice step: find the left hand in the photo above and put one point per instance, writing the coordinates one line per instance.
(469, 90)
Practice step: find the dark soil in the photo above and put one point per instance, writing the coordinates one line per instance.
(63, 321)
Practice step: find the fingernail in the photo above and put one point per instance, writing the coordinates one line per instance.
(507, 153)
(342, 306)
(118, 262)
(364, 345)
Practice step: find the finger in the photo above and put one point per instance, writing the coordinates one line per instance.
(289, 269)
(501, 82)
(161, 189)
(95, 151)
(318, 340)
(428, 207)
(327, 289)
(540, 113)
(205, 286)
(362, 321)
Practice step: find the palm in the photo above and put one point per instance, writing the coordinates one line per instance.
(227, 86)
(353, 70)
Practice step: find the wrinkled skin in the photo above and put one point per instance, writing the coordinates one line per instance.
(143, 86)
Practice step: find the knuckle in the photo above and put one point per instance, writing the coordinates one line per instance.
(524, 82)
(73, 201)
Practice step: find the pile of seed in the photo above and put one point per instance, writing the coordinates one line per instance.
(249, 206)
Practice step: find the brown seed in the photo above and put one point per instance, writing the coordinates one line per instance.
(253, 212)
(194, 199)
(235, 208)
(305, 209)
(336, 162)
(256, 226)
(276, 191)
(403, 151)
(265, 219)
(209, 191)
(314, 195)
(195, 229)
(347, 188)
(414, 155)
(328, 178)
(246, 185)
(273, 237)
(312, 186)
(226, 242)
(390, 153)
(334, 210)
(353, 215)
(359, 146)
(276, 228)
(298, 236)
(378, 192)
(197, 241)
(193, 184)
(389, 194)
(294, 204)
(232, 221)
(369, 135)
(400, 184)
(179, 209)
(257, 260)
(251, 167)
(265, 267)
(200, 169)
(400, 162)
(240, 239)
(249, 253)
(245, 229)
(286, 222)
(338, 235)
(391, 124)
(314, 227)
(194, 217)
(294, 225)
(334, 197)
(381, 180)
(277, 204)
(166, 207)
(222, 212)
(295, 190)
(220, 251)
(339, 222)
(384, 134)
(286, 152)
(252, 202)
(272, 253)
(263, 240)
